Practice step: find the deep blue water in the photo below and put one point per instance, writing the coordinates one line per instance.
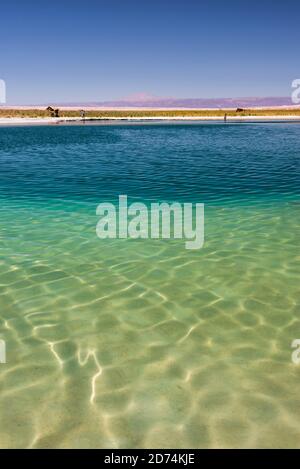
(211, 163)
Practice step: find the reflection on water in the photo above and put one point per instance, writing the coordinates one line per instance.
(142, 343)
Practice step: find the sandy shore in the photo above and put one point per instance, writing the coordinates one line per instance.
(52, 120)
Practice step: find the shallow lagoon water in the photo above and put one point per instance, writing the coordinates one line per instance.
(142, 343)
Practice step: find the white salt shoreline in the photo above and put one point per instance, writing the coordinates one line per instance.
(60, 120)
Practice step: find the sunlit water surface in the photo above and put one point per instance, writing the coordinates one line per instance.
(142, 343)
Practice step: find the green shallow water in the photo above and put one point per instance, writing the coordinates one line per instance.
(142, 343)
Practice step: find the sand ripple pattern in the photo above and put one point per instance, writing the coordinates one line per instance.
(144, 344)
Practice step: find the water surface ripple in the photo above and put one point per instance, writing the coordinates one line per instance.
(141, 343)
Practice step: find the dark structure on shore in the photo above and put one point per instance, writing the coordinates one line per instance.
(53, 112)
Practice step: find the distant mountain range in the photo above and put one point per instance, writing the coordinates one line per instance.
(142, 100)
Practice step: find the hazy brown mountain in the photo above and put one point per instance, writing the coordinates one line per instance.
(148, 101)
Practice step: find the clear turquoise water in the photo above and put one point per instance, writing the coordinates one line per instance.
(142, 343)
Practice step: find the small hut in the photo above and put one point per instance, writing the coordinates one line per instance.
(53, 112)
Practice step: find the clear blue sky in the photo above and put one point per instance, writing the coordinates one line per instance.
(71, 50)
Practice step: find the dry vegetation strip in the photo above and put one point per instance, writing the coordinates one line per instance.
(123, 114)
